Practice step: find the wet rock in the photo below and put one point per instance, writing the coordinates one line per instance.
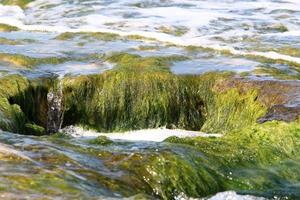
(101, 140)
(281, 113)
(33, 129)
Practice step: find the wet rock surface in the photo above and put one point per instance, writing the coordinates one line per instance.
(281, 113)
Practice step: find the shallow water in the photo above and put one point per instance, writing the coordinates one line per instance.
(241, 35)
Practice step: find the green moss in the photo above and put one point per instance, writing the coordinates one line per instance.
(19, 60)
(7, 28)
(21, 3)
(101, 140)
(33, 129)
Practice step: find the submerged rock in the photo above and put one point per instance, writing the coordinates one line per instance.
(7, 28)
(101, 140)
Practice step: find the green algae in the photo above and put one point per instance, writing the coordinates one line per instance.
(174, 30)
(42, 182)
(245, 155)
(88, 36)
(275, 28)
(34, 129)
(139, 93)
(287, 50)
(22, 103)
(7, 28)
(256, 144)
(21, 3)
(128, 100)
(101, 140)
(12, 116)
(136, 63)
(147, 48)
(19, 60)
(100, 36)
(233, 110)
(4, 41)
(142, 93)
(276, 73)
(262, 159)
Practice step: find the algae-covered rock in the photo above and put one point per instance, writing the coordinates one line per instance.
(141, 92)
(7, 28)
(88, 36)
(5, 41)
(33, 129)
(19, 60)
(12, 117)
(21, 3)
(23, 101)
(101, 140)
(256, 158)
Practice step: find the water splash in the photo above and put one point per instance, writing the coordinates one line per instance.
(55, 108)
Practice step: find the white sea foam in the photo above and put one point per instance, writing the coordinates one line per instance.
(155, 135)
(228, 195)
(75, 68)
(231, 195)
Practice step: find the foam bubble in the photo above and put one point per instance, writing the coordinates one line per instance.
(154, 135)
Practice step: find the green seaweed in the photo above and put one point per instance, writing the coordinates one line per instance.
(100, 140)
(233, 110)
(277, 73)
(7, 28)
(21, 3)
(5, 41)
(33, 129)
(174, 30)
(136, 63)
(88, 36)
(19, 60)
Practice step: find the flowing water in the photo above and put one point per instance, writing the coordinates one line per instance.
(236, 35)
(254, 38)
